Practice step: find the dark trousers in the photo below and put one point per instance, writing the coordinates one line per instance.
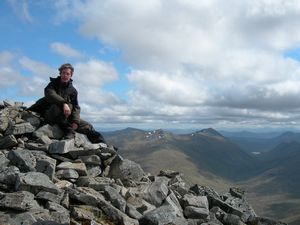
(54, 115)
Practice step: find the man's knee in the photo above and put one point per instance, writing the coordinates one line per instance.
(53, 115)
(84, 127)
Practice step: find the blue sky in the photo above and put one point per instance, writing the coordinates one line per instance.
(159, 63)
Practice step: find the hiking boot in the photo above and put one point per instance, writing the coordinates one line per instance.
(95, 137)
(69, 135)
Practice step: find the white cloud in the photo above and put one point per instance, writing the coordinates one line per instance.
(200, 54)
(65, 50)
(175, 89)
(193, 61)
(95, 73)
(37, 68)
(21, 9)
(40, 72)
(9, 75)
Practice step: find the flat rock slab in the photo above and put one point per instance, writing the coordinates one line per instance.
(79, 167)
(8, 142)
(61, 147)
(22, 201)
(35, 182)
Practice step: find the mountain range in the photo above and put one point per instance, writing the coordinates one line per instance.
(219, 161)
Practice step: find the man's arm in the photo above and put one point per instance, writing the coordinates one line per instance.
(76, 108)
(52, 96)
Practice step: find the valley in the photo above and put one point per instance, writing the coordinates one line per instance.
(206, 157)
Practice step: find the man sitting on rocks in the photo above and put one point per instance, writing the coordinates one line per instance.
(60, 106)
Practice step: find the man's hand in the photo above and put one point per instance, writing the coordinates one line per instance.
(67, 110)
(74, 126)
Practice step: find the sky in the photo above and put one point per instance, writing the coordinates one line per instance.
(152, 64)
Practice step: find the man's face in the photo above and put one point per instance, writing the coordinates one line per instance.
(65, 75)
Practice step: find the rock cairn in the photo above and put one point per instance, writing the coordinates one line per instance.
(47, 180)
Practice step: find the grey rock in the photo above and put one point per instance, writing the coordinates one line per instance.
(196, 213)
(4, 121)
(132, 212)
(8, 175)
(48, 196)
(32, 118)
(178, 185)
(94, 171)
(63, 184)
(79, 167)
(67, 174)
(46, 165)
(212, 223)
(197, 222)
(23, 159)
(91, 197)
(8, 142)
(11, 103)
(179, 221)
(61, 158)
(45, 140)
(237, 206)
(35, 182)
(159, 216)
(3, 160)
(204, 191)
(86, 195)
(11, 113)
(140, 204)
(58, 213)
(236, 192)
(23, 218)
(125, 170)
(168, 173)
(105, 156)
(18, 129)
(36, 146)
(97, 183)
(91, 160)
(197, 201)
(155, 193)
(230, 219)
(115, 198)
(161, 179)
(116, 215)
(65, 201)
(85, 212)
(22, 201)
(172, 201)
(81, 140)
(51, 131)
(61, 147)
(78, 152)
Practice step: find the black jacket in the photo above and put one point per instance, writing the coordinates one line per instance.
(59, 94)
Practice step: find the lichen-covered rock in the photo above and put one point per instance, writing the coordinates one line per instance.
(21, 201)
(23, 159)
(160, 216)
(8, 142)
(35, 182)
(125, 169)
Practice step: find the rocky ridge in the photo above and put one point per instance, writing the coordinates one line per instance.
(47, 180)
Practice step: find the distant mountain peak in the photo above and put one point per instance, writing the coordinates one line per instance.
(157, 134)
(209, 132)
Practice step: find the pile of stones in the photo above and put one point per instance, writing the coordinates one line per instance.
(45, 179)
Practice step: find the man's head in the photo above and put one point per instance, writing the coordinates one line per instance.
(66, 72)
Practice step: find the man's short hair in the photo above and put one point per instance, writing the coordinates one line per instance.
(65, 66)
